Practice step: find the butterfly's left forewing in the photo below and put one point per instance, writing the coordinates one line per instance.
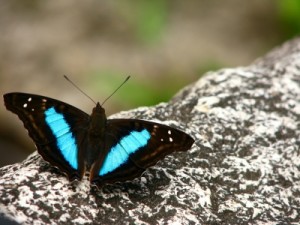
(56, 128)
(134, 145)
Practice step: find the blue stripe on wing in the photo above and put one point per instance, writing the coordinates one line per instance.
(61, 130)
(119, 153)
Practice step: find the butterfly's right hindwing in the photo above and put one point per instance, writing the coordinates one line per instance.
(56, 128)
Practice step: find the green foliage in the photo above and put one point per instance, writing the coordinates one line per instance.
(148, 18)
(151, 19)
(289, 15)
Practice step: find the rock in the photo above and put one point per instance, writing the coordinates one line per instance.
(243, 167)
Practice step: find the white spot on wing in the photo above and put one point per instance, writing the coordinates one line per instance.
(25, 105)
(29, 99)
(44, 100)
(169, 132)
(170, 139)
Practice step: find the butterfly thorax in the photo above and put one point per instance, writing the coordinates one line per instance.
(97, 122)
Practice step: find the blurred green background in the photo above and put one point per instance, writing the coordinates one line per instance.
(163, 44)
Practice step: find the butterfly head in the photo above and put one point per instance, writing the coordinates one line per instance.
(98, 109)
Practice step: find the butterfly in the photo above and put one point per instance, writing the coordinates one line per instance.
(108, 150)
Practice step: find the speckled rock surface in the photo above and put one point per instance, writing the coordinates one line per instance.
(244, 167)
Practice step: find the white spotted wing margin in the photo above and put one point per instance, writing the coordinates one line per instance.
(154, 142)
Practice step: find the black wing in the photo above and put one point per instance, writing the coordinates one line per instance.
(134, 145)
(56, 128)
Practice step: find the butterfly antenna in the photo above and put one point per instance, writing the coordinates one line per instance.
(79, 89)
(116, 90)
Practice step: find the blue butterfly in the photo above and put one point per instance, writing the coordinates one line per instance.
(109, 150)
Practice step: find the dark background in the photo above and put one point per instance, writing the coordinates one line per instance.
(163, 44)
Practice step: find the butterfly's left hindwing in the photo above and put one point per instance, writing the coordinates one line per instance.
(56, 128)
(134, 145)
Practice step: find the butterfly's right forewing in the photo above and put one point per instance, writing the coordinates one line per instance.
(56, 128)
